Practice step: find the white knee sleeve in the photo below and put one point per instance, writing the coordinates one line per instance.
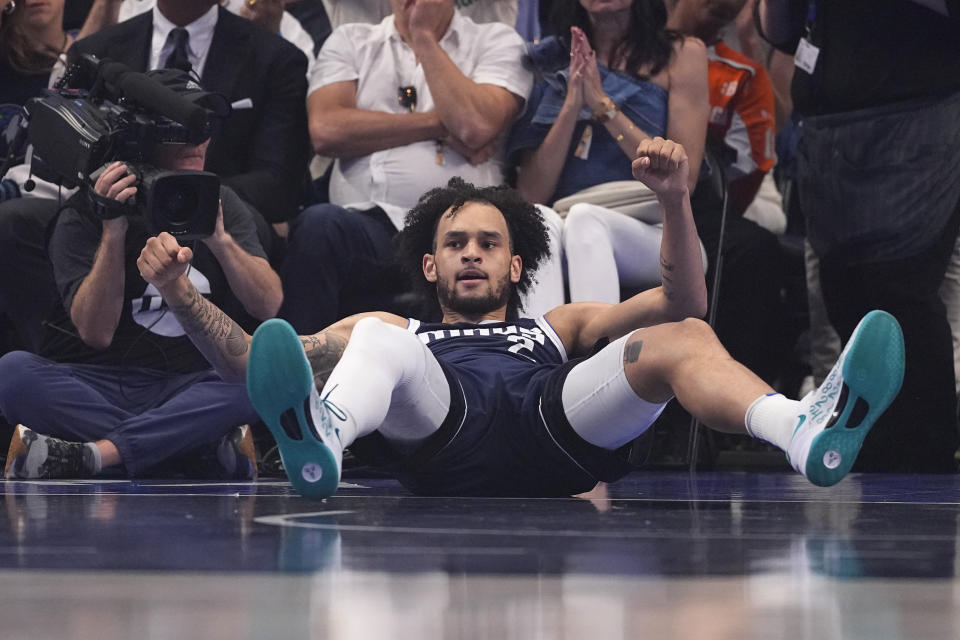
(600, 404)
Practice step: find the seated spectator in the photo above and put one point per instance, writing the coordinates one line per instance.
(127, 387)
(31, 39)
(347, 11)
(403, 106)
(269, 14)
(621, 78)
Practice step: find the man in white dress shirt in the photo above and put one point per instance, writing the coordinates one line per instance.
(403, 106)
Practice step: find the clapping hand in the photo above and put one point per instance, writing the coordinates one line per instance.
(584, 58)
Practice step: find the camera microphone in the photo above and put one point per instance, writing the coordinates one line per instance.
(148, 93)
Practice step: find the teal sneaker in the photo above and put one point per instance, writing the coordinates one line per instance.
(281, 389)
(836, 417)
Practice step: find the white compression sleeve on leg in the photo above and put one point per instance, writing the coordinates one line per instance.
(388, 380)
(600, 404)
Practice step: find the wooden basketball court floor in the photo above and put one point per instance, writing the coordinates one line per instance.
(657, 555)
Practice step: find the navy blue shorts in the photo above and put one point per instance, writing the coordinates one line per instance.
(489, 446)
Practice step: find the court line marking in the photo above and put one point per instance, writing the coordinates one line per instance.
(292, 494)
(290, 520)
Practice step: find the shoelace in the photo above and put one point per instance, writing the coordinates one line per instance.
(337, 412)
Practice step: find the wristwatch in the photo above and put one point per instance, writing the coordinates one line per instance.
(606, 111)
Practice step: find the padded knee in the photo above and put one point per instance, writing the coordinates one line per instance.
(385, 344)
(17, 376)
(323, 224)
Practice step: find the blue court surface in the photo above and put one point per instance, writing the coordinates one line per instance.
(656, 555)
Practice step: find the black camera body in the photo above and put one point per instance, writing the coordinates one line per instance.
(123, 116)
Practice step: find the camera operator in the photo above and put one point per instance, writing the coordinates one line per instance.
(127, 386)
(261, 150)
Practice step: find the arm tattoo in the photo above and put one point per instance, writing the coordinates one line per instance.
(323, 354)
(632, 352)
(666, 278)
(216, 335)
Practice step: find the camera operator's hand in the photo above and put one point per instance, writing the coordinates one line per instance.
(163, 260)
(219, 236)
(116, 182)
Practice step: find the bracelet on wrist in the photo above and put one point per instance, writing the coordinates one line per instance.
(621, 135)
(606, 112)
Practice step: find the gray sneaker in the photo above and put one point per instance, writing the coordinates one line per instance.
(32, 455)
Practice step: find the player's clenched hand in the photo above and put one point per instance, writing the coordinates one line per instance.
(163, 260)
(662, 165)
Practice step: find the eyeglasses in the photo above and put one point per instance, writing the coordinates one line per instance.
(10, 8)
(407, 97)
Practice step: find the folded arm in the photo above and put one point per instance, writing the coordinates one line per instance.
(474, 113)
(339, 129)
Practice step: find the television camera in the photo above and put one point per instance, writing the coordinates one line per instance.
(102, 111)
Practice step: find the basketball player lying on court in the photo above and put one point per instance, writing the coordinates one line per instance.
(487, 404)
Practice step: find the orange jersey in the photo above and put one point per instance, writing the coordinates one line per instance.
(741, 109)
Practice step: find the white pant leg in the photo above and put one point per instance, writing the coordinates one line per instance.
(547, 291)
(605, 249)
(950, 294)
(600, 404)
(388, 380)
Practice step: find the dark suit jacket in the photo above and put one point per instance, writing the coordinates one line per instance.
(262, 152)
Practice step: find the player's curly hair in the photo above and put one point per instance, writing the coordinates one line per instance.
(528, 234)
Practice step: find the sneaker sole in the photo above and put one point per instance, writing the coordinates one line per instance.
(279, 381)
(873, 372)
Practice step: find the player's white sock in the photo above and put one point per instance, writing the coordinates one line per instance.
(773, 418)
(94, 462)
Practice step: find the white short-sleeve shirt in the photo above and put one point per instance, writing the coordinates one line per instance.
(381, 62)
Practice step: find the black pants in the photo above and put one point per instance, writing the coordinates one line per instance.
(750, 319)
(338, 262)
(918, 433)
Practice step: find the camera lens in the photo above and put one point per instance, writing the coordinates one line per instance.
(178, 206)
(182, 203)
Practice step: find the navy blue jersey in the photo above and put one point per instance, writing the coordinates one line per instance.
(496, 349)
(504, 361)
(506, 432)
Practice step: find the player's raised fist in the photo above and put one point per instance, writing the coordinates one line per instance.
(163, 260)
(662, 165)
